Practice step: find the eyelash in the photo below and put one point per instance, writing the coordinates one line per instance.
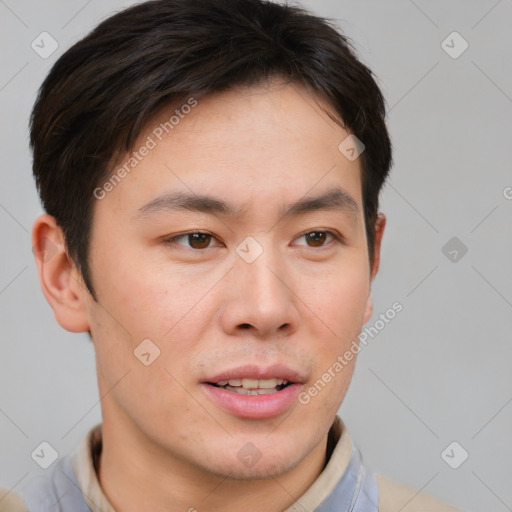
(172, 239)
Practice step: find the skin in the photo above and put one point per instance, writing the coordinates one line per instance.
(166, 445)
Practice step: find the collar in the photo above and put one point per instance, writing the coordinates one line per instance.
(339, 450)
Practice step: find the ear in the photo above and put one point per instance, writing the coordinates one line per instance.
(60, 280)
(380, 224)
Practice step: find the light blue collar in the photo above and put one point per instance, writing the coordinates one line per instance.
(356, 490)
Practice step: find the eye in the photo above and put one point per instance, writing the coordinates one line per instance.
(194, 240)
(318, 238)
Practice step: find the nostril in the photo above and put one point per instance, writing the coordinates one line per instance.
(245, 326)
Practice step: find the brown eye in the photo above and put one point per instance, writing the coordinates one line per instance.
(316, 238)
(199, 240)
(192, 240)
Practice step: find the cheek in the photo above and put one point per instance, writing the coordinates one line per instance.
(338, 298)
(146, 300)
(151, 304)
(338, 301)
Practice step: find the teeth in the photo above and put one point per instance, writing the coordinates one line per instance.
(250, 383)
(243, 391)
(262, 383)
(253, 384)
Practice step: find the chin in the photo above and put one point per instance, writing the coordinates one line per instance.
(263, 469)
(246, 460)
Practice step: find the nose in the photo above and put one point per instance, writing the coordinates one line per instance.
(259, 299)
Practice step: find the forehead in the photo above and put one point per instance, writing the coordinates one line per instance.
(247, 143)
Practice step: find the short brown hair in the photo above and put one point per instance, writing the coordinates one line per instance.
(100, 94)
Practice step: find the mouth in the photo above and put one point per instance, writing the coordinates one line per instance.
(254, 392)
(248, 386)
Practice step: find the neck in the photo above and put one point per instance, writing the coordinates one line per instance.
(135, 474)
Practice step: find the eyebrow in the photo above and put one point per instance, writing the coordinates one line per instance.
(332, 199)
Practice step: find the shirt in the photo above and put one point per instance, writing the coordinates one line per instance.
(346, 484)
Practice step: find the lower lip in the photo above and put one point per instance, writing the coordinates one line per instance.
(253, 406)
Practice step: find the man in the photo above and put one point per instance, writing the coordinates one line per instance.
(211, 172)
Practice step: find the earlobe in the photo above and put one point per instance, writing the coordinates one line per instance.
(369, 309)
(58, 276)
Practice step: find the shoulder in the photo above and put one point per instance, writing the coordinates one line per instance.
(10, 501)
(395, 496)
(55, 490)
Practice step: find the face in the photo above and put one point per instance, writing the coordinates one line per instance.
(236, 249)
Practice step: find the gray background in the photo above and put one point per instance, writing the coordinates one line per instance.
(440, 371)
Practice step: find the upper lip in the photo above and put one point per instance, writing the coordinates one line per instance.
(251, 371)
